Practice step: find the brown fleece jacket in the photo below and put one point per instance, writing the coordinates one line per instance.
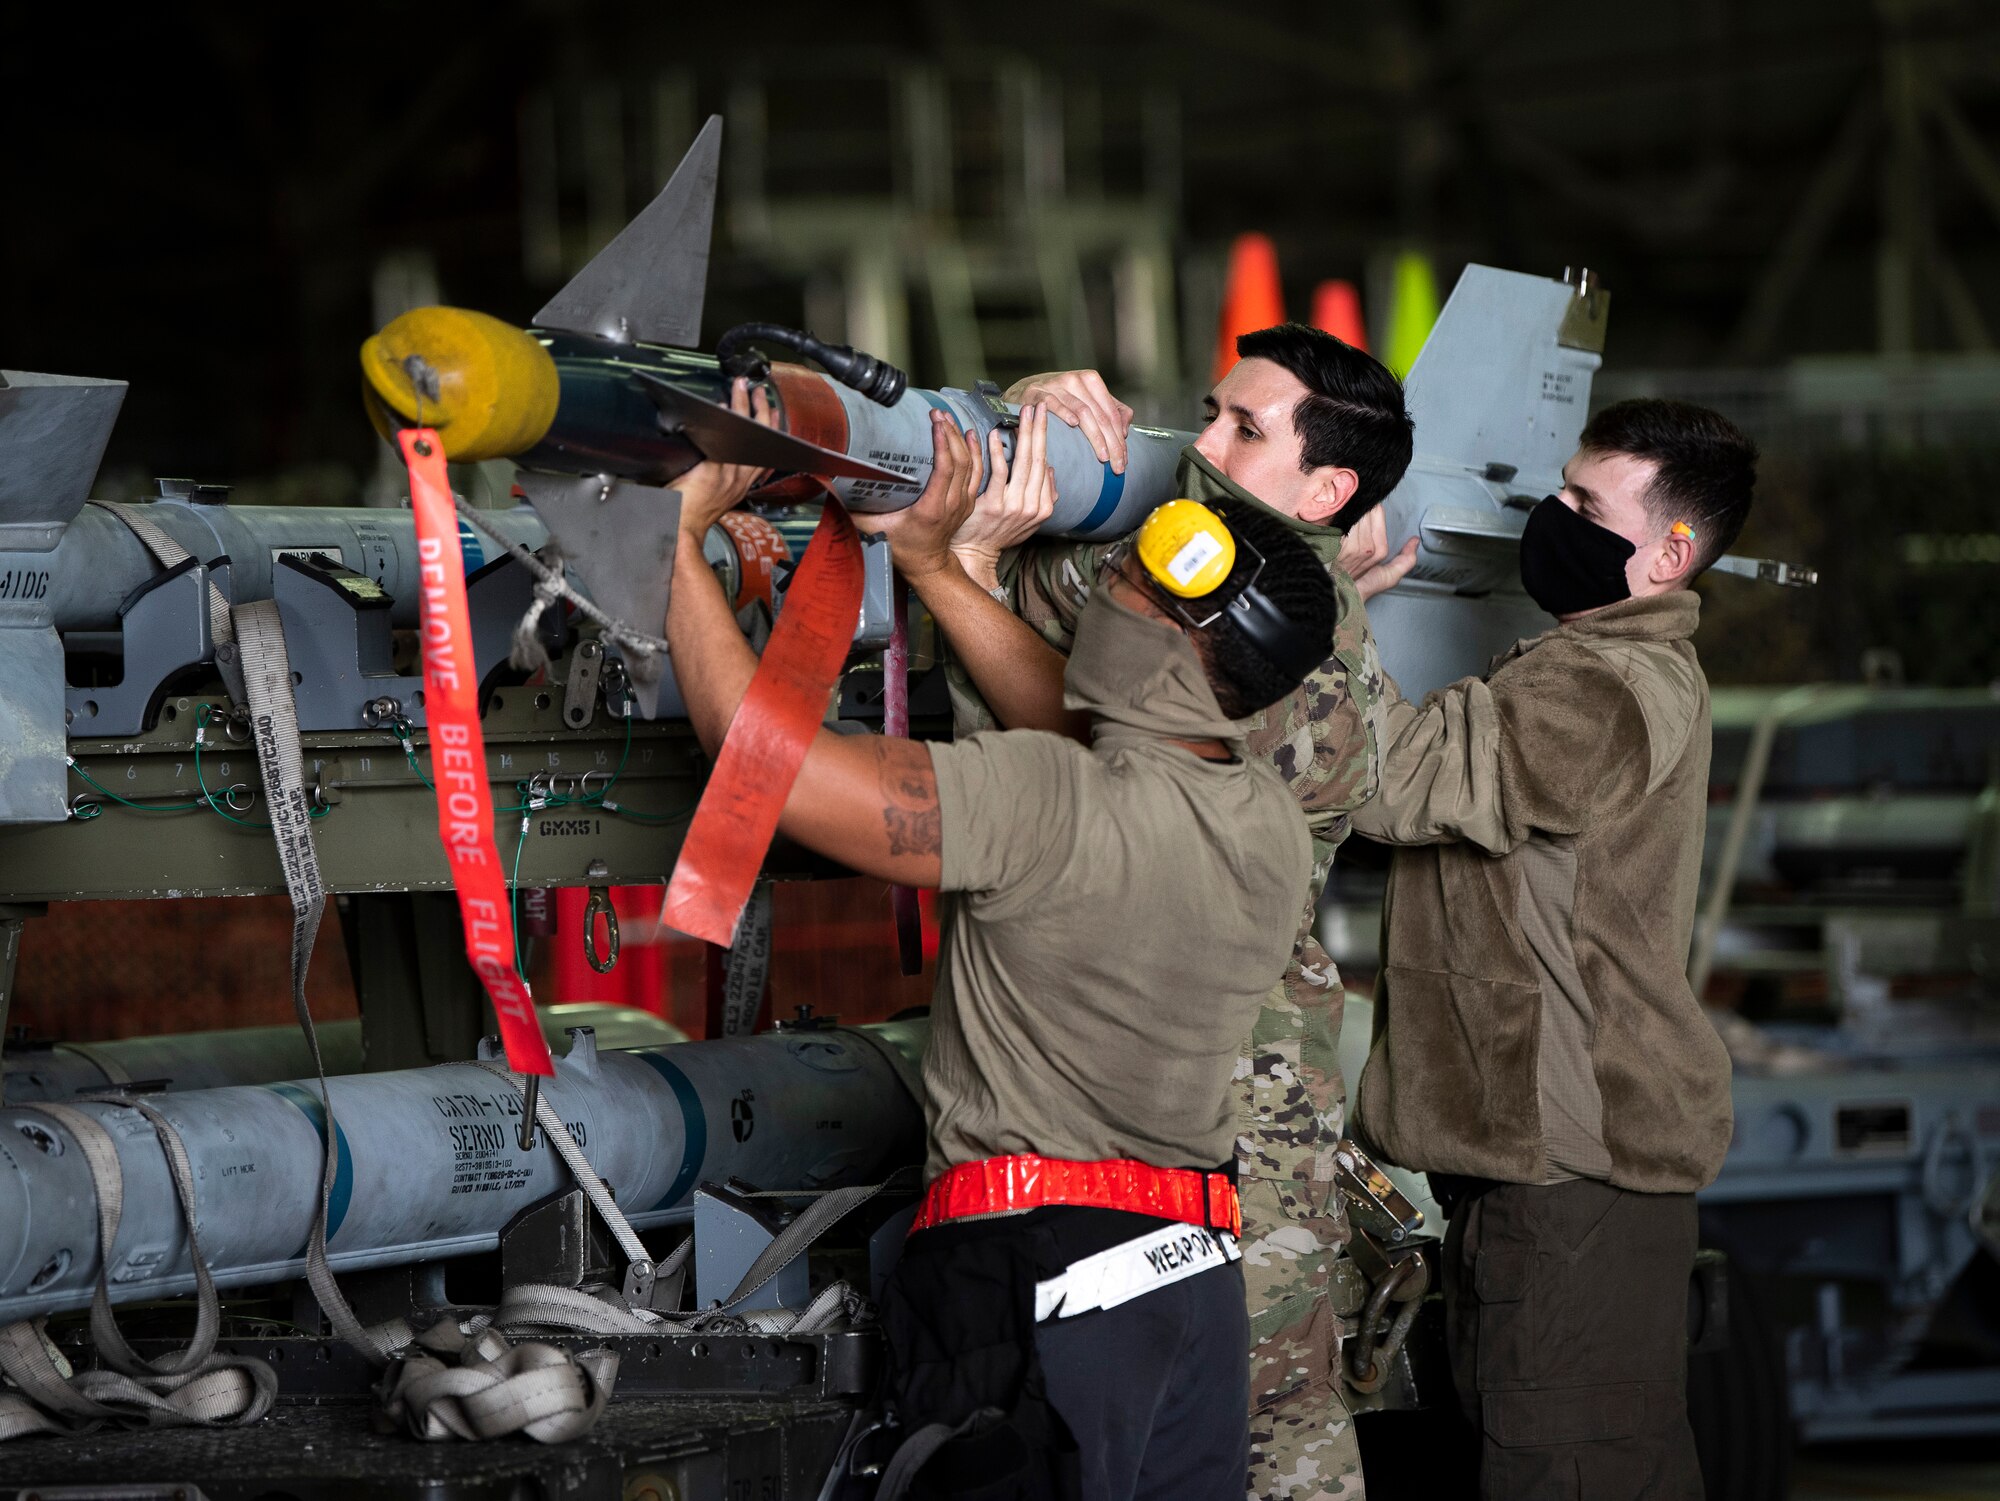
(1549, 819)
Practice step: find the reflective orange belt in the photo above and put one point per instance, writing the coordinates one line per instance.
(995, 1185)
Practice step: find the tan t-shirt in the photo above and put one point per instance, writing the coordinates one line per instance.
(1124, 910)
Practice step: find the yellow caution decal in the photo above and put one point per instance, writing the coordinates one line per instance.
(1185, 548)
(486, 387)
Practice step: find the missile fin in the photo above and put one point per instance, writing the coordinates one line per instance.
(648, 284)
(734, 439)
(1502, 379)
(620, 535)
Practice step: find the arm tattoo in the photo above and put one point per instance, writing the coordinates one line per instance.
(909, 795)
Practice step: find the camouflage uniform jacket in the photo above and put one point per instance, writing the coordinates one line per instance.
(1322, 740)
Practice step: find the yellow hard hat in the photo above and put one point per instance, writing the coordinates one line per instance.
(488, 388)
(1185, 548)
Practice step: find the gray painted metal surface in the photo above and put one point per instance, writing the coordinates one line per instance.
(182, 1061)
(99, 562)
(429, 1166)
(1092, 501)
(1498, 395)
(650, 282)
(53, 430)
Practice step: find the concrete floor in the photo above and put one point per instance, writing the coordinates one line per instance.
(1955, 1470)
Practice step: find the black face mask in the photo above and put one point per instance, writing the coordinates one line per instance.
(1569, 564)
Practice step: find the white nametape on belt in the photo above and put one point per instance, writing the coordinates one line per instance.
(1132, 1269)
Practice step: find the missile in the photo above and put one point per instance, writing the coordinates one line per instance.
(429, 1166)
(181, 1061)
(603, 401)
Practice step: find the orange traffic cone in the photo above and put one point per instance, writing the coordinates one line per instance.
(1252, 296)
(1337, 310)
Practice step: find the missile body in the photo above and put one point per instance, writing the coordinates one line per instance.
(183, 1061)
(606, 422)
(428, 1163)
(649, 413)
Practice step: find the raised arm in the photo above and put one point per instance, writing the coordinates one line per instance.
(868, 801)
(1018, 673)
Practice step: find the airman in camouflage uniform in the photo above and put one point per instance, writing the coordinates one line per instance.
(1291, 1101)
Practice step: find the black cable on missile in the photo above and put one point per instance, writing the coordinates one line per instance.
(878, 380)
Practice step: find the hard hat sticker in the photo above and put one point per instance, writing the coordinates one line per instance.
(1195, 554)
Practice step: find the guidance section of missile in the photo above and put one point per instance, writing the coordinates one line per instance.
(429, 1165)
(182, 1061)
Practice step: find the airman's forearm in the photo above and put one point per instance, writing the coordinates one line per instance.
(1018, 673)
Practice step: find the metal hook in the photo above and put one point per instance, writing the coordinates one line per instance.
(600, 904)
(249, 797)
(83, 805)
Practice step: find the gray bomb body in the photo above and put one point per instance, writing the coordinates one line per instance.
(181, 1061)
(429, 1166)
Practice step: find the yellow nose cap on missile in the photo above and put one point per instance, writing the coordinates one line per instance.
(1185, 548)
(488, 388)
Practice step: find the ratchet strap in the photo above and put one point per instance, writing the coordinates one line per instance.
(1001, 1185)
(769, 737)
(458, 755)
(267, 675)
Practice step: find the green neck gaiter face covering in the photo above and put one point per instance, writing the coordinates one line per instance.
(1197, 479)
(1139, 678)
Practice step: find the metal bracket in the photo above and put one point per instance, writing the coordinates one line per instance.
(1004, 416)
(731, 1231)
(163, 629)
(586, 663)
(560, 1241)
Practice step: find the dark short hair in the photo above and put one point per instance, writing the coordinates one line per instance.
(1704, 468)
(1295, 581)
(1353, 413)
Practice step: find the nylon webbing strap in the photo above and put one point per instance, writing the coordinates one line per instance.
(746, 969)
(579, 1167)
(458, 756)
(114, 1072)
(457, 1383)
(190, 1387)
(170, 554)
(267, 673)
(768, 739)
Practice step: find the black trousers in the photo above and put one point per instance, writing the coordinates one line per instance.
(1157, 1390)
(1567, 1321)
(1147, 1401)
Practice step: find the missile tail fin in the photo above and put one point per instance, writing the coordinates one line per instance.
(725, 436)
(1504, 379)
(648, 284)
